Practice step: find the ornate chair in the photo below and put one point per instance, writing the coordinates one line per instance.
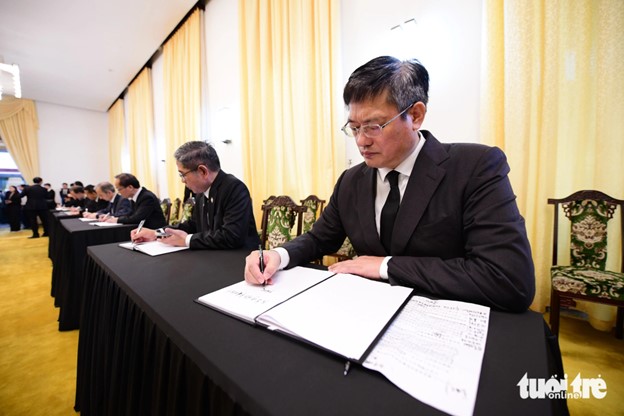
(586, 277)
(187, 211)
(278, 218)
(345, 252)
(165, 205)
(175, 210)
(315, 208)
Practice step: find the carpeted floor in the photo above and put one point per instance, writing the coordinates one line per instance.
(38, 363)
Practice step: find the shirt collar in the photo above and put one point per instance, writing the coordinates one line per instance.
(406, 166)
(136, 195)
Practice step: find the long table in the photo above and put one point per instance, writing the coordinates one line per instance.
(145, 347)
(69, 244)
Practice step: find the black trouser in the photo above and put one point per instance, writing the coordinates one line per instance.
(43, 215)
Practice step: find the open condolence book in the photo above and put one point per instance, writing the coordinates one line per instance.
(153, 248)
(341, 313)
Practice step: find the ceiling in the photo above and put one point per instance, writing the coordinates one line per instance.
(81, 53)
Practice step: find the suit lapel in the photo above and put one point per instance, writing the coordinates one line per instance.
(424, 180)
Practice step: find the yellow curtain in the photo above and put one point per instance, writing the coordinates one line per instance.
(553, 99)
(182, 91)
(116, 136)
(18, 128)
(290, 97)
(141, 130)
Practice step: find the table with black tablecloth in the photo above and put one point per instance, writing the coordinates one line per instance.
(54, 222)
(71, 239)
(146, 347)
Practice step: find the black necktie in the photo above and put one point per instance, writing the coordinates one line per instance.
(389, 211)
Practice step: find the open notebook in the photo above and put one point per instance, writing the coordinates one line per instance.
(153, 248)
(341, 313)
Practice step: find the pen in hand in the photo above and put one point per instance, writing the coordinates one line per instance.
(140, 226)
(261, 262)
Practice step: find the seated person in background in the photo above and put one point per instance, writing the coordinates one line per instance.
(146, 205)
(93, 203)
(458, 233)
(76, 198)
(63, 192)
(223, 213)
(116, 205)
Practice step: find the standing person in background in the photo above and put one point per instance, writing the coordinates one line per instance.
(13, 204)
(50, 197)
(23, 217)
(63, 192)
(36, 206)
(145, 205)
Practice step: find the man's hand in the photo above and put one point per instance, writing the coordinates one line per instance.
(253, 274)
(174, 237)
(142, 236)
(366, 266)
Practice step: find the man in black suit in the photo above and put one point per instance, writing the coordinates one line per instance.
(145, 205)
(223, 213)
(117, 205)
(36, 206)
(446, 223)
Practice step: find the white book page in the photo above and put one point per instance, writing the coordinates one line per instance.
(153, 248)
(246, 301)
(343, 314)
(106, 224)
(433, 351)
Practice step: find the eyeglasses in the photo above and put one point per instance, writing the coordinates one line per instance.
(183, 175)
(371, 130)
(120, 188)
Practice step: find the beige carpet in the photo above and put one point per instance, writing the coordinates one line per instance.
(38, 363)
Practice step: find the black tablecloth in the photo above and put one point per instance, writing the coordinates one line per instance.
(146, 348)
(54, 222)
(71, 239)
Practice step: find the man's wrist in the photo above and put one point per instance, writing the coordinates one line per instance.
(383, 268)
(284, 257)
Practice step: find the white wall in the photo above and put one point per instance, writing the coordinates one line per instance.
(446, 40)
(73, 145)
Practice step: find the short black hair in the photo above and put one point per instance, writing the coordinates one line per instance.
(406, 82)
(194, 153)
(128, 179)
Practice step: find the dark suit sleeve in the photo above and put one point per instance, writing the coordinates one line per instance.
(124, 207)
(496, 268)
(232, 220)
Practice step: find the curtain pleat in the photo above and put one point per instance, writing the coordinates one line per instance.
(290, 98)
(182, 91)
(116, 137)
(141, 130)
(19, 128)
(553, 99)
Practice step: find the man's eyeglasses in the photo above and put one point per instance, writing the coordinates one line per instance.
(183, 174)
(371, 130)
(120, 188)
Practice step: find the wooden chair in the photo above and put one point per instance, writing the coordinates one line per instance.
(586, 277)
(315, 208)
(278, 218)
(175, 210)
(345, 252)
(165, 205)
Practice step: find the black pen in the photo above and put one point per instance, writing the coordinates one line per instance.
(261, 254)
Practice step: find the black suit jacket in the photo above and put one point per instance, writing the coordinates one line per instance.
(147, 207)
(37, 196)
(118, 207)
(225, 220)
(458, 233)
